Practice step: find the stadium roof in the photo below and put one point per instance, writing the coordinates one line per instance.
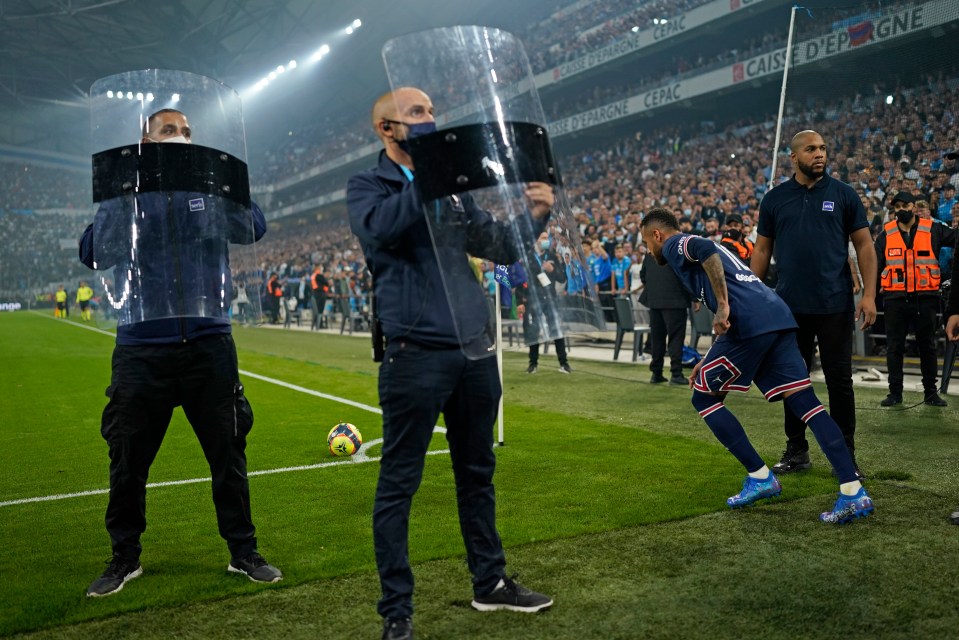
(51, 51)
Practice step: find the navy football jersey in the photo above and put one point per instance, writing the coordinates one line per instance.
(754, 308)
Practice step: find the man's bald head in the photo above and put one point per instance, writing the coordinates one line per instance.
(802, 138)
(404, 105)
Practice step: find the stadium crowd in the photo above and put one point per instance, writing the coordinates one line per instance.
(702, 175)
(878, 148)
(568, 34)
(38, 230)
(706, 178)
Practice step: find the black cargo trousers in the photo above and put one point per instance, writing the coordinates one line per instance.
(148, 382)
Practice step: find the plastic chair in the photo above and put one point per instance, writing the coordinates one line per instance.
(626, 323)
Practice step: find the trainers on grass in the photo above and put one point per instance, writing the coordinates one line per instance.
(511, 595)
(256, 568)
(118, 572)
(754, 490)
(397, 629)
(848, 508)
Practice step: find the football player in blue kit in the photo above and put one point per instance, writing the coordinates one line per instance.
(756, 344)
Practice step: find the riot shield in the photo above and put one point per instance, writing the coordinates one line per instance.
(169, 212)
(473, 173)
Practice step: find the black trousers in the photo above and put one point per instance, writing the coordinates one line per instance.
(532, 332)
(921, 312)
(667, 331)
(834, 333)
(318, 302)
(148, 382)
(417, 384)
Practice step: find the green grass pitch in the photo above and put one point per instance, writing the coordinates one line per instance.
(610, 494)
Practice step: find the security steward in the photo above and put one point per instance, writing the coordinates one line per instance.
(734, 240)
(424, 370)
(908, 255)
(320, 289)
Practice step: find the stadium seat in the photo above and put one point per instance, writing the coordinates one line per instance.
(626, 323)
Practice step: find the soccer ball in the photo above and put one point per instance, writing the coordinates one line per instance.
(344, 439)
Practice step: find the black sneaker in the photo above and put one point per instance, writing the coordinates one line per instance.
(118, 572)
(511, 595)
(679, 381)
(794, 459)
(256, 568)
(658, 378)
(397, 629)
(891, 400)
(564, 368)
(531, 368)
(934, 400)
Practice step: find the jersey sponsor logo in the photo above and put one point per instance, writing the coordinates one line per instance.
(742, 277)
(828, 206)
(197, 204)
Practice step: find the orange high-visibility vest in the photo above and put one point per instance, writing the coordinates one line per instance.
(910, 270)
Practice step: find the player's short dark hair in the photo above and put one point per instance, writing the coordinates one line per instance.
(661, 218)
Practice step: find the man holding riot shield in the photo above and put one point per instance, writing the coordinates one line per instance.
(426, 368)
(167, 213)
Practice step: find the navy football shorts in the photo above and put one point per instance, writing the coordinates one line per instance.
(771, 361)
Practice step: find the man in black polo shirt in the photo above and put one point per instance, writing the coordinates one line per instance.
(806, 223)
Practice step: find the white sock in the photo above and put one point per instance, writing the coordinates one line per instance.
(850, 488)
(760, 474)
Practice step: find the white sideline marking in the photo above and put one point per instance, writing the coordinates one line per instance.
(359, 458)
(318, 394)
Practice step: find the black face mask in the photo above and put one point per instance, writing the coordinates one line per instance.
(415, 130)
(733, 234)
(904, 216)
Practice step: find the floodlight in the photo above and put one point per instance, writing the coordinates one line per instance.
(110, 93)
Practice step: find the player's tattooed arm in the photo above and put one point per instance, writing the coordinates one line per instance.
(713, 266)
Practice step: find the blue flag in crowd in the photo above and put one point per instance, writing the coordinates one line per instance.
(509, 277)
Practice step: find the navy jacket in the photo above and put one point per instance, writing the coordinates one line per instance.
(182, 269)
(387, 215)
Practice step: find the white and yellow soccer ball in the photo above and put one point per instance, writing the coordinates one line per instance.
(344, 439)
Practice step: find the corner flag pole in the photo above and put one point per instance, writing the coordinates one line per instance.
(497, 313)
(782, 96)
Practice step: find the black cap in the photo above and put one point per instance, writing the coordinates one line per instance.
(734, 217)
(952, 155)
(903, 196)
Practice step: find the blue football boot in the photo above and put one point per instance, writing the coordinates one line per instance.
(754, 490)
(848, 508)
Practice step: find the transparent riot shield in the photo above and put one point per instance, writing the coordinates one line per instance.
(474, 176)
(167, 212)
